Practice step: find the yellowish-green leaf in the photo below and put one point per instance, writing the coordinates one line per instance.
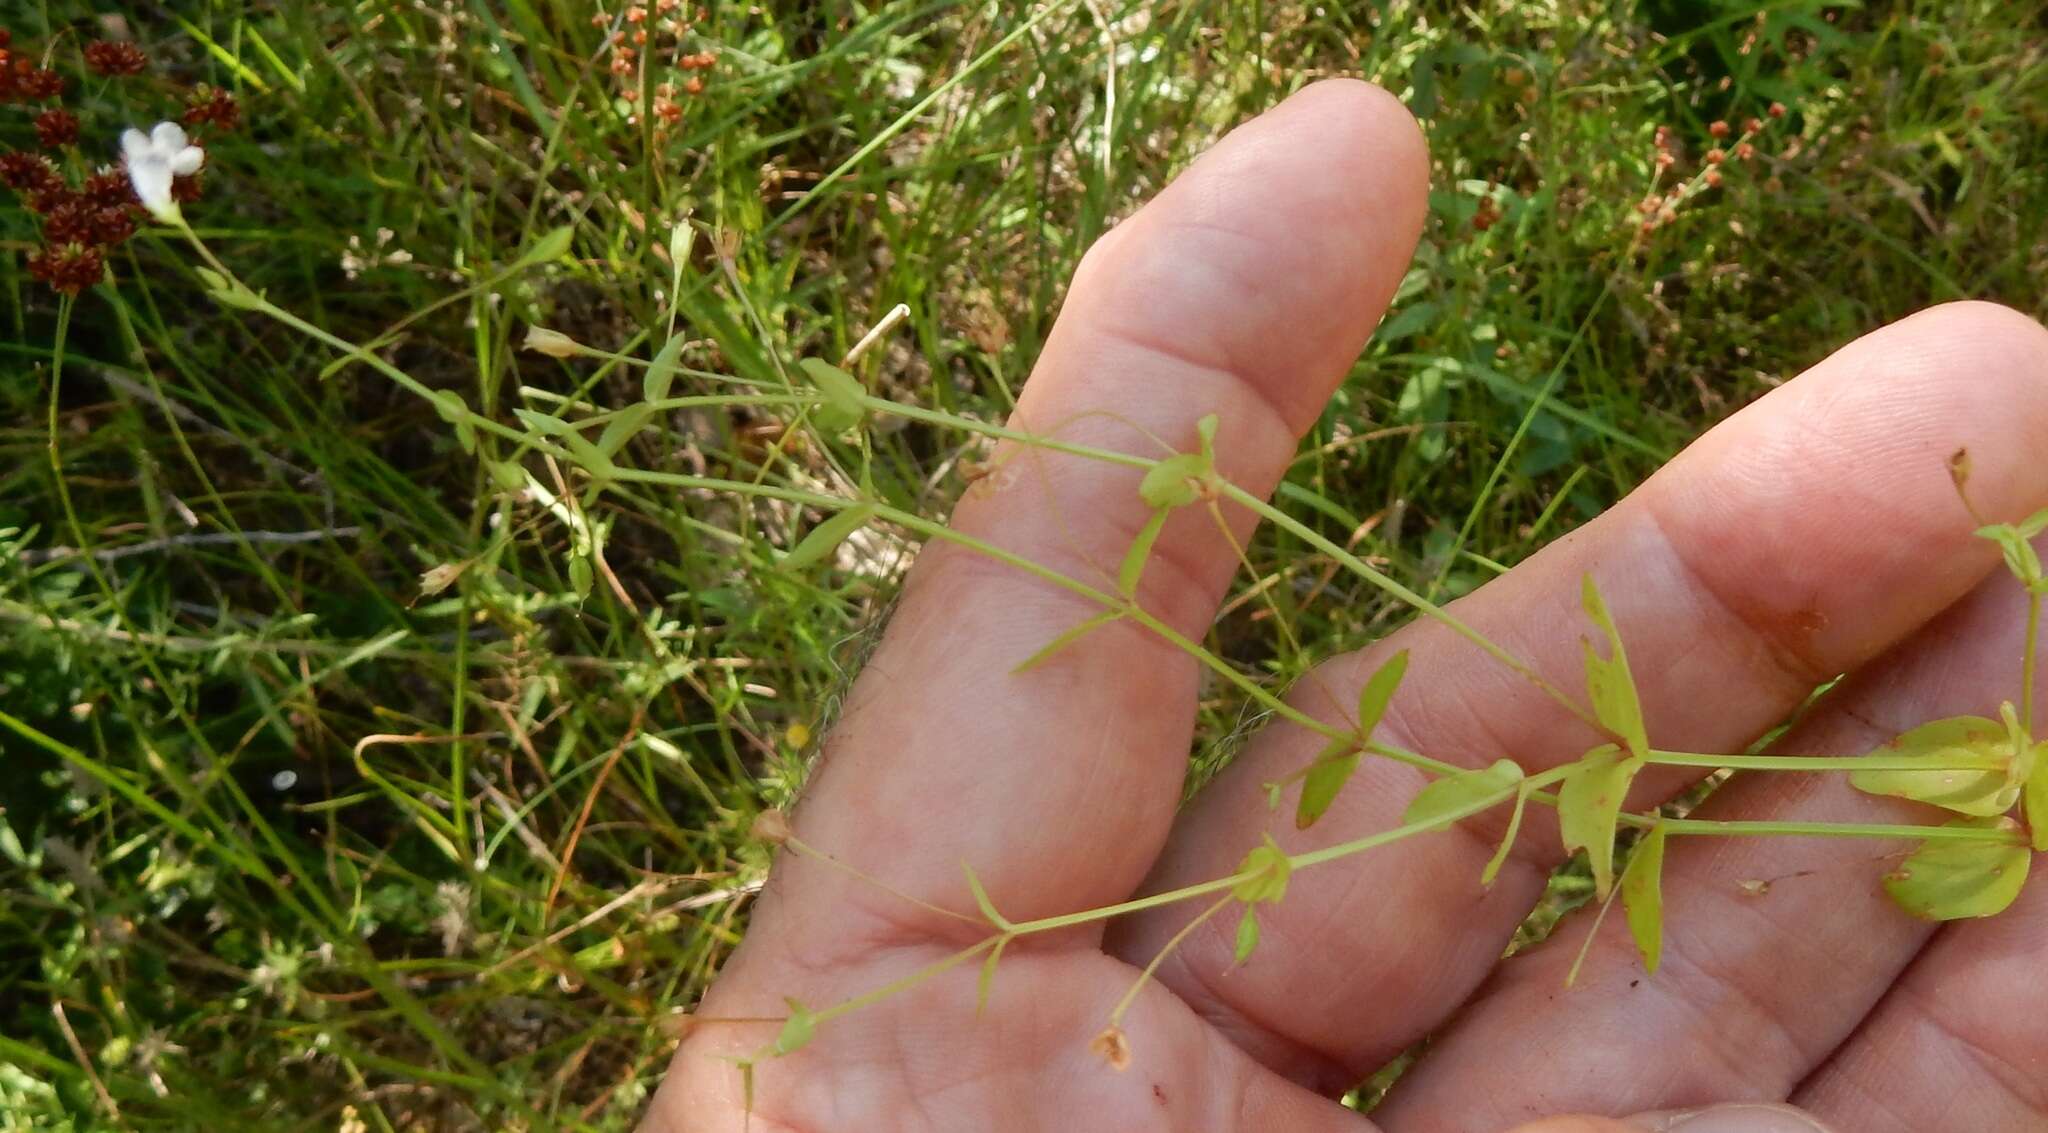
(581, 576)
(1171, 482)
(1378, 691)
(981, 900)
(1944, 744)
(2037, 798)
(796, 1030)
(842, 408)
(1608, 680)
(589, 457)
(1324, 779)
(507, 474)
(1269, 869)
(1589, 806)
(2033, 525)
(1453, 793)
(1642, 897)
(2020, 557)
(826, 536)
(1133, 568)
(1070, 636)
(661, 373)
(1507, 840)
(987, 982)
(623, 427)
(542, 423)
(1206, 430)
(1950, 879)
(1247, 934)
(552, 245)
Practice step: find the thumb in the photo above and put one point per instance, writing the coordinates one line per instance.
(1741, 1117)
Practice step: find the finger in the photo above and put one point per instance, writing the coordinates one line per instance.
(1793, 542)
(1735, 1118)
(1775, 948)
(1961, 1042)
(1245, 290)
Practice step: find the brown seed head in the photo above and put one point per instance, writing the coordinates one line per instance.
(106, 57)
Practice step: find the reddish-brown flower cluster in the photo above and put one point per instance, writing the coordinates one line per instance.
(56, 128)
(67, 271)
(109, 58)
(211, 106)
(79, 225)
(658, 29)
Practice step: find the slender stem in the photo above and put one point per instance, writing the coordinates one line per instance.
(2027, 662)
(868, 999)
(1116, 1015)
(1824, 762)
(1835, 830)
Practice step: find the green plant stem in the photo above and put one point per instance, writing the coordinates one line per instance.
(2028, 661)
(1116, 1014)
(1822, 762)
(1827, 830)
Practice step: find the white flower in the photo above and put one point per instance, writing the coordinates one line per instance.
(153, 159)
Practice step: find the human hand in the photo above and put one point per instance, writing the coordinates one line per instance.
(1814, 533)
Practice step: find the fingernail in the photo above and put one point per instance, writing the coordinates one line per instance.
(1738, 1118)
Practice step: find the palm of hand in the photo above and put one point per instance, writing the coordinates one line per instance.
(1813, 534)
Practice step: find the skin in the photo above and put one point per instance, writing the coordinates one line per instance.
(1814, 533)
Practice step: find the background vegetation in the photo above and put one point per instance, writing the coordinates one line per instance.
(331, 797)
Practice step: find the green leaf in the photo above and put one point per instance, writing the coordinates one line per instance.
(1133, 568)
(1642, 897)
(552, 245)
(542, 423)
(2033, 525)
(581, 576)
(1171, 482)
(623, 427)
(1378, 691)
(843, 407)
(1589, 806)
(826, 536)
(507, 474)
(1247, 934)
(1322, 782)
(987, 980)
(1949, 879)
(982, 901)
(588, 456)
(2020, 557)
(2037, 798)
(1205, 430)
(1072, 634)
(1453, 793)
(1957, 739)
(1608, 680)
(1507, 840)
(1270, 869)
(661, 373)
(797, 1030)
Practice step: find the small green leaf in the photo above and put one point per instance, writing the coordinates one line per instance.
(797, 1030)
(1171, 482)
(843, 407)
(1247, 934)
(2037, 798)
(987, 981)
(1133, 568)
(981, 900)
(1453, 793)
(1378, 691)
(1323, 781)
(1642, 897)
(2033, 525)
(581, 576)
(1589, 807)
(542, 423)
(211, 279)
(1942, 743)
(1205, 430)
(552, 245)
(1072, 634)
(1608, 680)
(2020, 556)
(507, 474)
(1270, 868)
(1949, 879)
(589, 457)
(623, 428)
(661, 373)
(826, 536)
(1507, 840)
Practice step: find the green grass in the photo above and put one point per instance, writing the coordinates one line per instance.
(483, 918)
